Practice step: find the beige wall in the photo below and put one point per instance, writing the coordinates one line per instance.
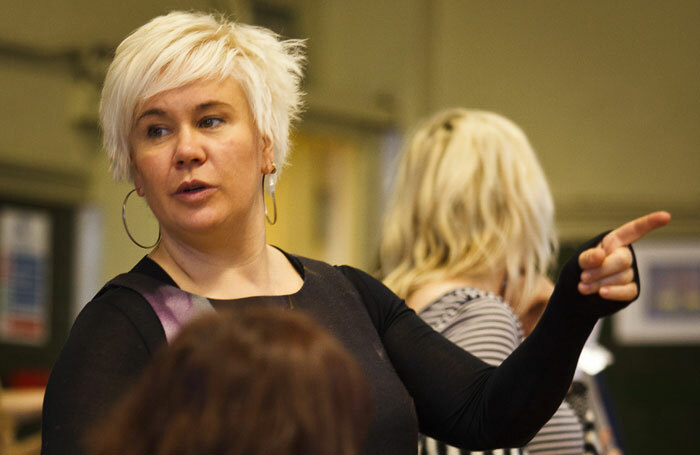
(607, 91)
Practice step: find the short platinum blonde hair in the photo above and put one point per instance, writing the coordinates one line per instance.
(178, 48)
(470, 199)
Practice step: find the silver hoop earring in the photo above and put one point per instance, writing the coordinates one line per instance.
(126, 228)
(274, 202)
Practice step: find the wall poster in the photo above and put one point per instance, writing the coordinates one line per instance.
(25, 263)
(668, 310)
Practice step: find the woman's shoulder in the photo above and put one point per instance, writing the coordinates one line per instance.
(119, 311)
(384, 307)
(465, 298)
(127, 305)
(473, 307)
(368, 285)
(363, 282)
(111, 341)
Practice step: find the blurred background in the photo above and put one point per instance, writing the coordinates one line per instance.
(608, 92)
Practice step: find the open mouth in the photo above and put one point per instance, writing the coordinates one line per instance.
(192, 187)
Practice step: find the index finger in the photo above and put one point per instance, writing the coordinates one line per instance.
(634, 230)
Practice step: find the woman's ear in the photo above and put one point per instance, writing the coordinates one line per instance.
(268, 156)
(138, 180)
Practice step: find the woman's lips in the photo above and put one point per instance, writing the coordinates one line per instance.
(191, 185)
(193, 190)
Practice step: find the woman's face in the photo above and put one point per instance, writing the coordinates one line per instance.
(198, 158)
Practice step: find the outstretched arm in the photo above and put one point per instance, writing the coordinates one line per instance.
(465, 402)
(600, 280)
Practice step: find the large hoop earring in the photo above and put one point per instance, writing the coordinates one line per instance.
(126, 228)
(271, 190)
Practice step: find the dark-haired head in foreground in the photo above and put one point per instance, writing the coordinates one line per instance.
(254, 381)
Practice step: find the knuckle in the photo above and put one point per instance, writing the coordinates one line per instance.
(628, 257)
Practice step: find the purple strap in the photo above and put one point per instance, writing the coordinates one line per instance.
(173, 306)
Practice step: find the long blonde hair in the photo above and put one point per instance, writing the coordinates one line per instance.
(470, 199)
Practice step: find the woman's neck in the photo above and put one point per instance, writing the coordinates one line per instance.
(238, 267)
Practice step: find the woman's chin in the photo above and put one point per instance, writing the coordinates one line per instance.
(211, 223)
(186, 227)
(205, 226)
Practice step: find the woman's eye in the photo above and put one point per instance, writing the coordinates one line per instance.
(210, 122)
(156, 131)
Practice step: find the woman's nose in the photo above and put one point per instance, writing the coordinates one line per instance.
(188, 151)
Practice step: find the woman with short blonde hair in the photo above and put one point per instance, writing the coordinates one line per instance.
(196, 112)
(182, 47)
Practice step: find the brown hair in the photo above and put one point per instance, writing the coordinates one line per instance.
(255, 381)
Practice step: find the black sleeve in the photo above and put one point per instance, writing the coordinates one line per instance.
(109, 345)
(465, 402)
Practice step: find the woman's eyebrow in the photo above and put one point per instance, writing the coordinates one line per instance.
(200, 107)
(155, 112)
(208, 104)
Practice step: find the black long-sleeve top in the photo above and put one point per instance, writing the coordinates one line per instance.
(426, 382)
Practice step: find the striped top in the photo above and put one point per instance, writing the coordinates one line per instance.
(483, 324)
